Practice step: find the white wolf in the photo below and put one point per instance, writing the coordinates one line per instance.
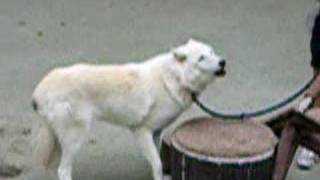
(143, 97)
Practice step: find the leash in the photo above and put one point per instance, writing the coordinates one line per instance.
(257, 113)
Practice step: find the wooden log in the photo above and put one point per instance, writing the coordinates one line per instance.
(275, 121)
(206, 149)
(165, 155)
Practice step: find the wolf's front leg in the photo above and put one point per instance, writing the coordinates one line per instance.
(149, 150)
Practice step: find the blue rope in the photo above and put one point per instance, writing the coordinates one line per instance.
(257, 113)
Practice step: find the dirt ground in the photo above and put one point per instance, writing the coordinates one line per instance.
(265, 44)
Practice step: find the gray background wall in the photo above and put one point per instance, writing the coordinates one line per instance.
(265, 43)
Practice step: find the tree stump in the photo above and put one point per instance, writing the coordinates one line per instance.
(206, 149)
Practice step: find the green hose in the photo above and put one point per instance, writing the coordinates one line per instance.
(257, 113)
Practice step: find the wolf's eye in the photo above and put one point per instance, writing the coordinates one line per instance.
(201, 58)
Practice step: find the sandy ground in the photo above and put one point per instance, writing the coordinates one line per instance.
(265, 43)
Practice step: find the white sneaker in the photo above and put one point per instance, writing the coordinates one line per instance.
(306, 159)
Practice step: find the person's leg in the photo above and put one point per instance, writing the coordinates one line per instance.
(311, 140)
(287, 147)
(307, 158)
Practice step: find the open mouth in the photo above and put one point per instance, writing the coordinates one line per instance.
(220, 73)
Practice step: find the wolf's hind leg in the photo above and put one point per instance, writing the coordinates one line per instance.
(72, 131)
(71, 142)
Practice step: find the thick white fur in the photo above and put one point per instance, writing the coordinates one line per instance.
(143, 97)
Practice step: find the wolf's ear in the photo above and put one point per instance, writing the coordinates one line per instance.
(190, 41)
(179, 55)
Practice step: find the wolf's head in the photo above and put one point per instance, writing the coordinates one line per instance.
(197, 64)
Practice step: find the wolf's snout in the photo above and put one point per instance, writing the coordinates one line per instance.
(221, 71)
(222, 64)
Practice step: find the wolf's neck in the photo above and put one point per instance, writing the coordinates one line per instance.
(172, 84)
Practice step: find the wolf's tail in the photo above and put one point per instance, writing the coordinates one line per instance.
(46, 149)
